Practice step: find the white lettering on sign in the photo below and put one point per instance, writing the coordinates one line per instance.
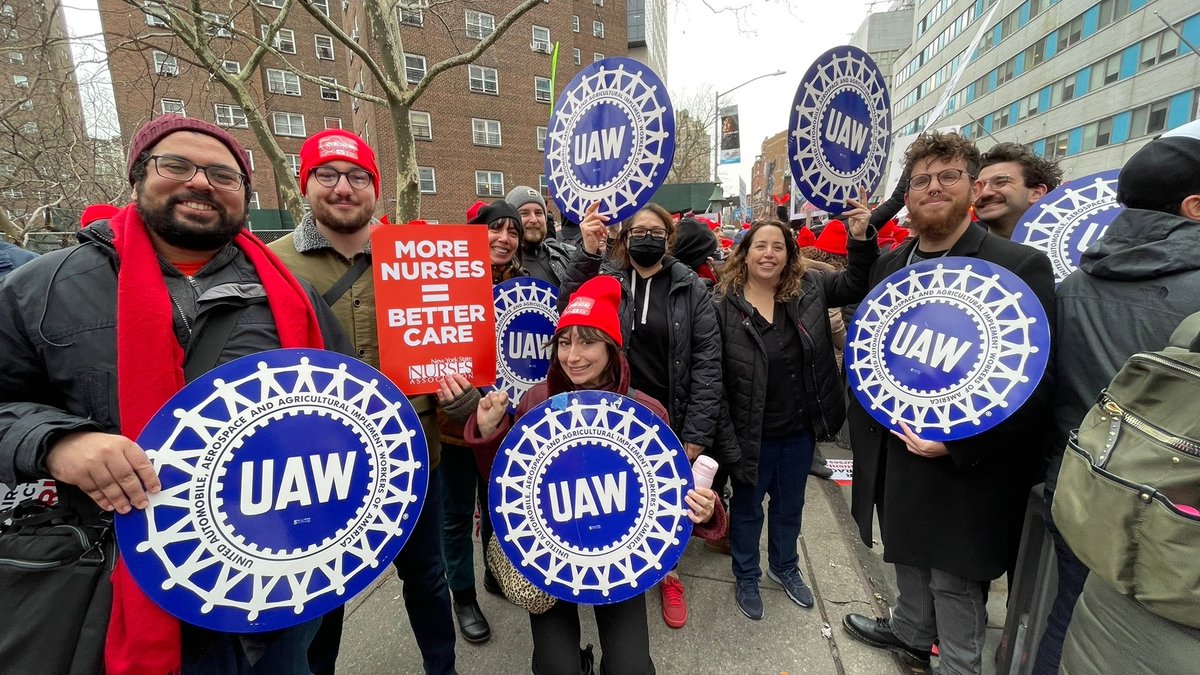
(429, 249)
(845, 131)
(428, 269)
(437, 335)
(597, 145)
(606, 494)
(929, 347)
(528, 346)
(1094, 232)
(329, 474)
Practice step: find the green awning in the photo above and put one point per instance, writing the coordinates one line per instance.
(681, 197)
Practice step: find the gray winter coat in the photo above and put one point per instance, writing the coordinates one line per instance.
(694, 371)
(1132, 288)
(58, 338)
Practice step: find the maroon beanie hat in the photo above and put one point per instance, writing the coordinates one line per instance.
(164, 125)
(333, 145)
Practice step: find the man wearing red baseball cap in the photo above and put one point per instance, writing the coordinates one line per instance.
(331, 248)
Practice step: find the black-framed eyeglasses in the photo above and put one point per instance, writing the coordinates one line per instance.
(359, 179)
(640, 232)
(946, 177)
(180, 169)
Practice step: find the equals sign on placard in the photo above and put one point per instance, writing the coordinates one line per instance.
(435, 292)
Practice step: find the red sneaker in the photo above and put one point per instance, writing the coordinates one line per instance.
(674, 607)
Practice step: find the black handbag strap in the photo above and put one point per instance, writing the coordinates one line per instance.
(339, 288)
(210, 342)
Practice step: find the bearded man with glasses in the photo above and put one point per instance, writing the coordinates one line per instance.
(950, 514)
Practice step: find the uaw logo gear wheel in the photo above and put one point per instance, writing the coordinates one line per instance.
(951, 347)
(621, 96)
(1069, 219)
(842, 89)
(587, 497)
(525, 307)
(229, 545)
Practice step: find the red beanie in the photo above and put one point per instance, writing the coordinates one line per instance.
(473, 211)
(164, 125)
(595, 304)
(805, 237)
(332, 145)
(833, 238)
(97, 212)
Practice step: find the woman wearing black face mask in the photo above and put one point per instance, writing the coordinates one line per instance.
(670, 330)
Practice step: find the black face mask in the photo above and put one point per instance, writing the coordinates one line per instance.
(647, 251)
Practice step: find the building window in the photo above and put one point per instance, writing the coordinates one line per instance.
(421, 125)
(541, 39)
(542, 91)
(540, 133)
(321, 5)
(230, 116)
(26, 105)
(253, 201)
(152, 20)
(172, 106)
(480, 25)
(414, 68)
(165, 64)
(330, 93)
(250, 156)
(598, 3)
(597, 56)
(485, 132)
(219, 25)
(324, 47)
(288, 124)
(284, 40)
(277, 4)
(293, 163)
(16, 57)
(483, 79)
(412, 17)
(426, 180)
(333, 123)
(489, 183)
(598, 29)
(231, 67)
(577, 56)
(575, 23)
(283, 82)
(28, 128)
(543, 184)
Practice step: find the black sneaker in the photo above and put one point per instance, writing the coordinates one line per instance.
(749, 600)
(793, 584)
(491, 584)
(878, 633)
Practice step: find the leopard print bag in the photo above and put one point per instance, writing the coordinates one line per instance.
(516, 588)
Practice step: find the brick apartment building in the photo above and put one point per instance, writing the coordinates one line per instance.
(771, 175)
(480, 128)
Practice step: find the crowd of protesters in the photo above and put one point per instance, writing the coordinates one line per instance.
(735, 344)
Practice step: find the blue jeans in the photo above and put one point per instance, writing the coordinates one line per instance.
(783, 465)
(1071, 576)
(426, 597)
(283, 652)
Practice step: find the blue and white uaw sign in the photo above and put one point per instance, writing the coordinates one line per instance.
(611, 139)
(1069, 219)
(951, 347)
(840, 128)
(587, 497)
(290, 480)
(525, 321)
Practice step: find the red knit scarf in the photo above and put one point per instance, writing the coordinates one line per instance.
(142, 638)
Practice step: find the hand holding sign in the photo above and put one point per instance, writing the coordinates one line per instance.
(110, 468)
(594, 230)
(917, 446)
(859, 217)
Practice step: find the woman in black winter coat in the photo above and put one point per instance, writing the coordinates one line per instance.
(782, 390)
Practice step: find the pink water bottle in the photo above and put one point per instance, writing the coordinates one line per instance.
(704, 470)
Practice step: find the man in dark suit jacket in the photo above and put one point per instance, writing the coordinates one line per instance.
(949, 513)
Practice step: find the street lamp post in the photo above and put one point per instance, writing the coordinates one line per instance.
(717, 120)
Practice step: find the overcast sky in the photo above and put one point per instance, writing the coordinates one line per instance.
(711, 49)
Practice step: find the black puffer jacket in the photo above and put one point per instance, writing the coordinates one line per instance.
(58, 343)
(744, 361)
(694, 371)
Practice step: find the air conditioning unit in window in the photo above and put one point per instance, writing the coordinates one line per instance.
(540, 46)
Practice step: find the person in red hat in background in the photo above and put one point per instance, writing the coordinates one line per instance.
(95, 339)
(97, 212)
(331, 247)
(585, 353)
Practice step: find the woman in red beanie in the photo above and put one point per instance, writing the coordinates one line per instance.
(585, 353)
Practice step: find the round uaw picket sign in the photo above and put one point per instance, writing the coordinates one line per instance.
(1069, 219)
(951, 347)
(611, 139)
(840, 128)
(290, 480)
(587, 497)
(525, 321)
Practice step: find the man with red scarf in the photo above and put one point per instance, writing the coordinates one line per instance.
(95, 338)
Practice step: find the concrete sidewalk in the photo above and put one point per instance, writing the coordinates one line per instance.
(717, 638)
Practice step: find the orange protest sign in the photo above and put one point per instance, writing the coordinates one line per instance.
(433, 304)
